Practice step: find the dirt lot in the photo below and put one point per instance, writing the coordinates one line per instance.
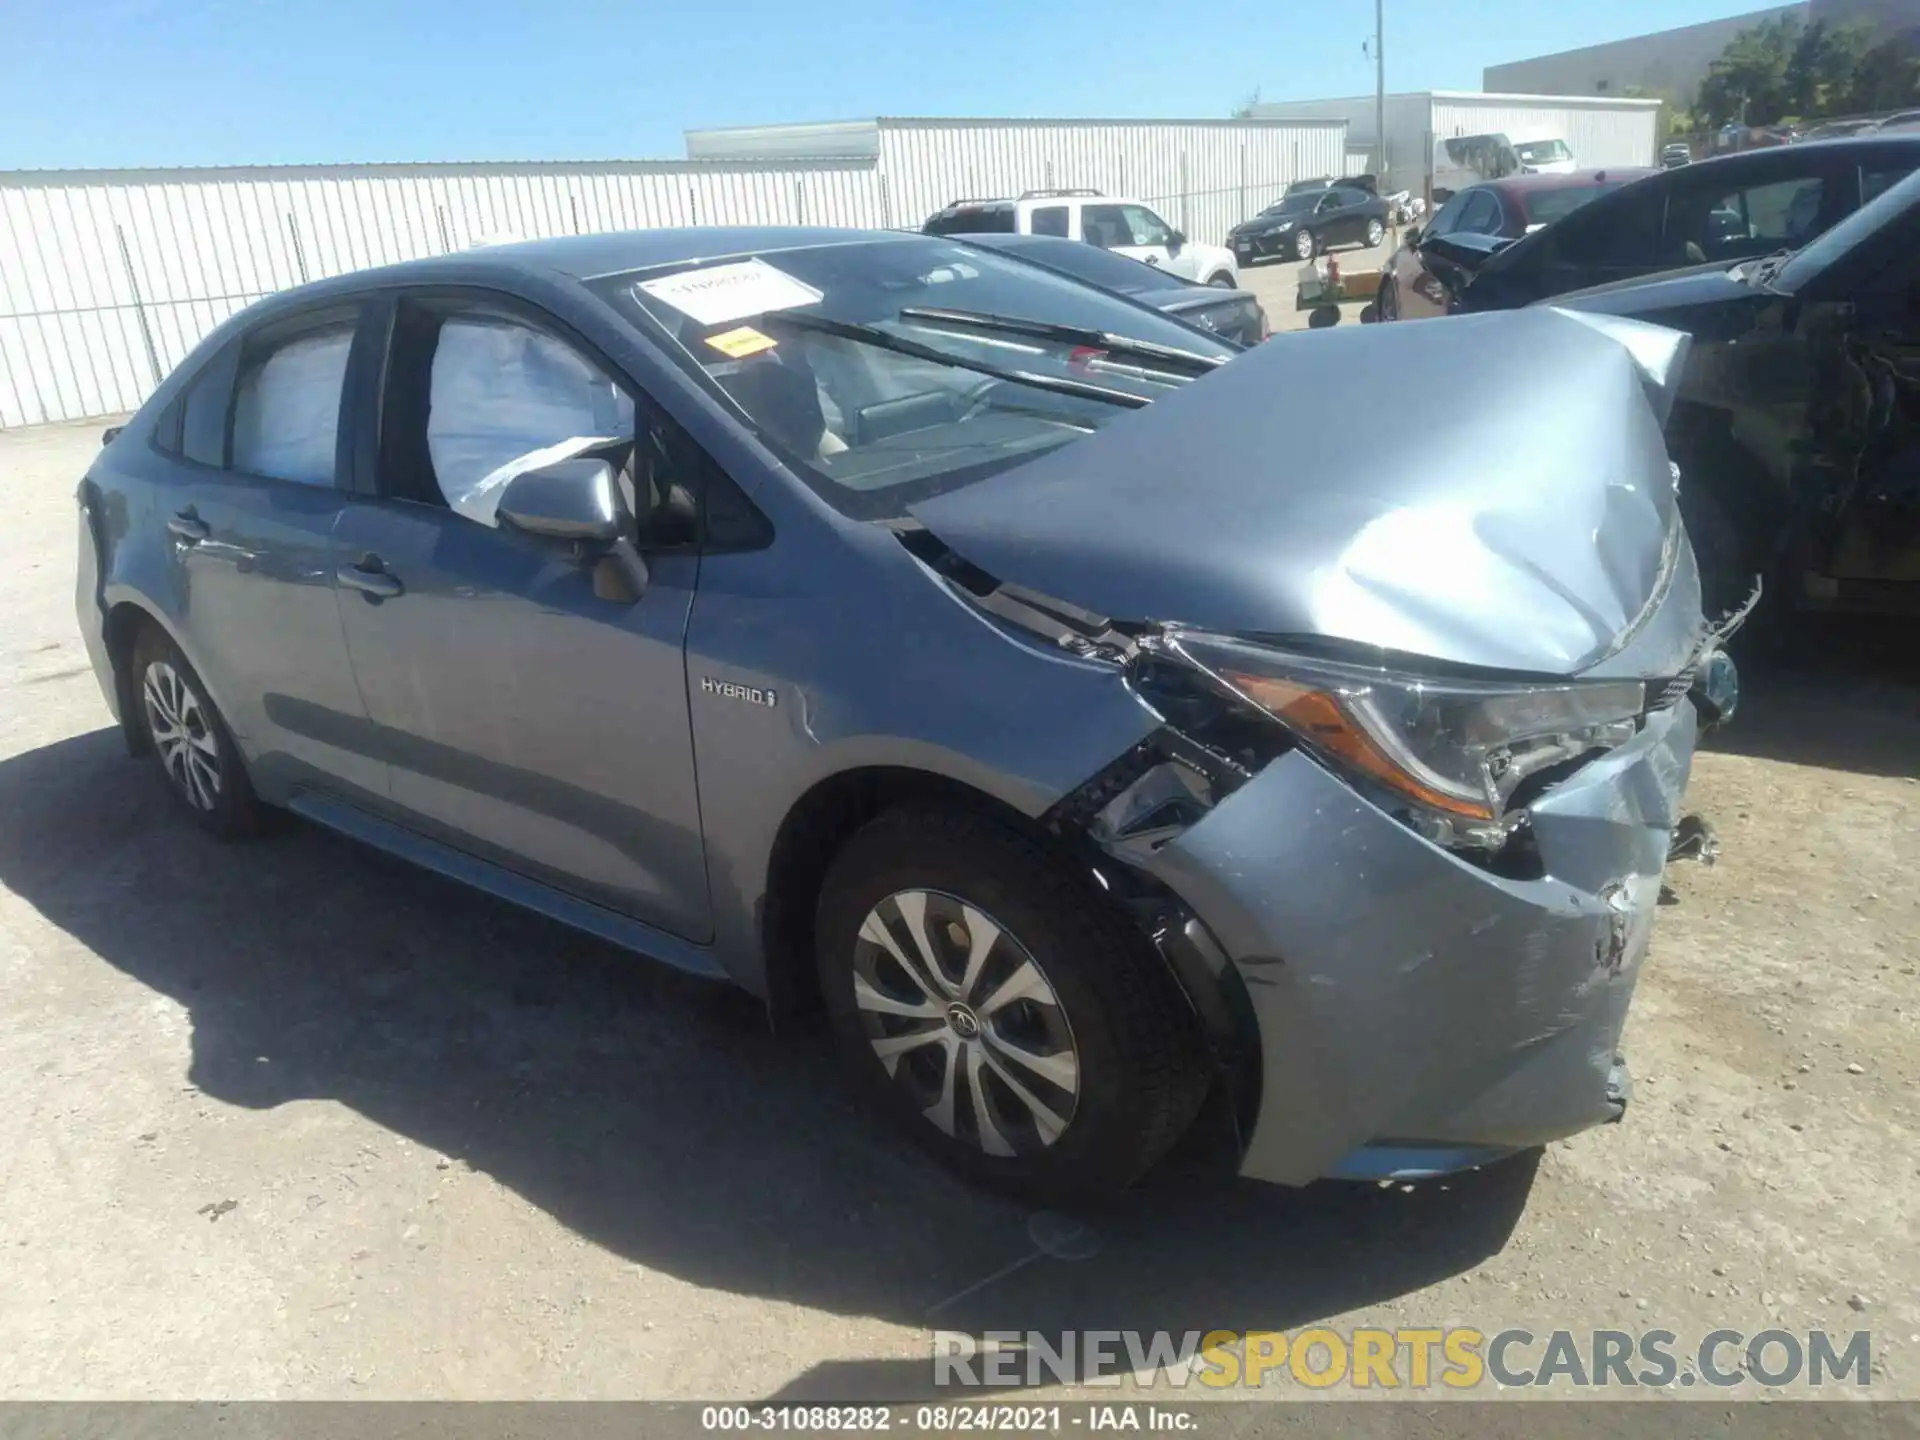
(291, 1120)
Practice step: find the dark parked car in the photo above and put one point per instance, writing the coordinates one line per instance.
(1732, 208)
(1231, 314)
(1368, 183)
(1417, 280)
(891, 626)
(1797, 430)
(1301, 225)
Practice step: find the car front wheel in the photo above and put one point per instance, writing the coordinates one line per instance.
(1304, 244)
(192, 743)
(1005, 1014)
(1388, 302)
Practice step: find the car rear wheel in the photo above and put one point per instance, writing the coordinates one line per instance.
(190, 740)
(1388, 301)
(1376, 232)
(1221, 281)
(1006, 1015)
(1304, 244)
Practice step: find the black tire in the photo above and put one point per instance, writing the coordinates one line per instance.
(1138, 1068)
(1311, 247)
(1376, 232)
(204, 772)
(1221, 280)
(1389, 302)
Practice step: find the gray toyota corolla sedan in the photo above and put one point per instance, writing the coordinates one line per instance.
(1097, 729)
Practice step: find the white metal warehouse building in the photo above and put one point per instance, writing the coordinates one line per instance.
(109, 278)
(1600, 130)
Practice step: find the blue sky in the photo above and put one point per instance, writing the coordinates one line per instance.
(198, 82)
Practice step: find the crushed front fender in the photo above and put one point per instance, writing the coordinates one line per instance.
(1405, 996)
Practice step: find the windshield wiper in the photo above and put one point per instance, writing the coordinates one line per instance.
(881, 340)
(1070, 334)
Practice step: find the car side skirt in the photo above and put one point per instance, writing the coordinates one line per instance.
(622, 930)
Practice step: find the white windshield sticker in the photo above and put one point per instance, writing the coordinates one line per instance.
(720, 293)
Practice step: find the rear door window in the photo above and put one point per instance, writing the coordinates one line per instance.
(1050, 220)
(286, 408)
(1105, 226)
(1718, 223)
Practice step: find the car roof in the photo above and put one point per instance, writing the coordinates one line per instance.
(585, 257)
(1865, 146)
(1572, 180)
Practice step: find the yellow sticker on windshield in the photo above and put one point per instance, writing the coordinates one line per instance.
(741, 341)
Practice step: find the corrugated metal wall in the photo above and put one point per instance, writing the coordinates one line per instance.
(107, 279)
(1203, 177)
(1623, 132)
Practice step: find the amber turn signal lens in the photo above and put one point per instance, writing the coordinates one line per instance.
(1319, 718)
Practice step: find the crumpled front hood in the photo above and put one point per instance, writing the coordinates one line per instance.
(1491, 490)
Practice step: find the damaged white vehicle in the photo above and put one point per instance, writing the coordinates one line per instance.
(888, 625)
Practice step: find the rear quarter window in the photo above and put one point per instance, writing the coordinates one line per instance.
(973, 220)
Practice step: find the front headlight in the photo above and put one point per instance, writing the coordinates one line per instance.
(1457, 749)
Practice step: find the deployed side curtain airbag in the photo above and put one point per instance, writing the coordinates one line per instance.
(506, 398)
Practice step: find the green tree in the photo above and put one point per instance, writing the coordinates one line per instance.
(1820, 71)
(1749, 81)
(1887, 77)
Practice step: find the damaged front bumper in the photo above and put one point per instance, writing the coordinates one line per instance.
(1417, 1012)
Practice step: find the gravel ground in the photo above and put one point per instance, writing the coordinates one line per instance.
(292, 1120)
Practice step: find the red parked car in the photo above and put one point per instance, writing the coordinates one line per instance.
(1414, 283)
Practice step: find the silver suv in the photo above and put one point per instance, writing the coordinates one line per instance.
(896, 628)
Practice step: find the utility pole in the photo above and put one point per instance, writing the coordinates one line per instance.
(1380, 87)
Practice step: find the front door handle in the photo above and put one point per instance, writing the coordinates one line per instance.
(371, 579)
(188, 526)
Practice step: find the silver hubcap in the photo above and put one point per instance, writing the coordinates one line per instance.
(1374, 232)
(182, 735)
(966, 1022)
(1303, 245)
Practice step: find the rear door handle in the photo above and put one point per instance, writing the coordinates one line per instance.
(188, 526)
(371, 579)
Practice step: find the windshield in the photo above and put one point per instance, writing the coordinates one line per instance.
(1542, 152)
(801, 343)
(1546, 206)
(1301, 204)
(1823, 250)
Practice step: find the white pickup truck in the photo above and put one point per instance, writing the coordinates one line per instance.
(1113, 222)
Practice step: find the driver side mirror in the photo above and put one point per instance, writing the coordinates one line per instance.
(1175, 239)
(1412, 236)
